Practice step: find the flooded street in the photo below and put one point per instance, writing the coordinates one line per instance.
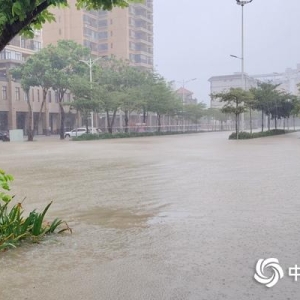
(174, 217)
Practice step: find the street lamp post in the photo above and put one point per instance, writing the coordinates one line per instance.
(183, 87)
(90, 64)
(242, 3)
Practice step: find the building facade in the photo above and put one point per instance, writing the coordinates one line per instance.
(124, 33)
(186, 96)
(288, 80)
(219, 84)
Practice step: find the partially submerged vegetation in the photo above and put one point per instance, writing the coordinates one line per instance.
(247, 135)
(104, 136)
(271, 102)
(14, 227)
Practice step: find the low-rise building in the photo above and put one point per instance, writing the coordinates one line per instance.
(186, 96)
(219, 84)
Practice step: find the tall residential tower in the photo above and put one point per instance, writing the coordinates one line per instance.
(125, 33)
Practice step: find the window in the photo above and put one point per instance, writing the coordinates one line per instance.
(32, 95)
(56, 97)
(4, 92)
(102, 23)
(25, 96)
(103, 47)
(17, 93)
(102, 35)
(38, 95)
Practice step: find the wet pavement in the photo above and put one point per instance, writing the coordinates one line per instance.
(174, 217)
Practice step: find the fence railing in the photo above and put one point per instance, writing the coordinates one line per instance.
(173, 128)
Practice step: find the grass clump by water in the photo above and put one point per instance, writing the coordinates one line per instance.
(247, 135)
(14, 227)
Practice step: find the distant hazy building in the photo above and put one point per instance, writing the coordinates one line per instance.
(223, 83)
(125, 33)
(287, 80)
(186, 96)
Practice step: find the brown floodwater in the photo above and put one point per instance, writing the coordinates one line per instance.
(176, 217)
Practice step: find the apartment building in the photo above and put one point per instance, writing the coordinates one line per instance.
(124, 33)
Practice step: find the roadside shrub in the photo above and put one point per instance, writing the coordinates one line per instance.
(14, 227)
(247, 135)
(119, 135)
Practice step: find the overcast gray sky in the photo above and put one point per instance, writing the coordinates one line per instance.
(194, 38)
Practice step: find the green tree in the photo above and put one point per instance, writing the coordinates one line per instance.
(83, 97)
(216, 114)
(163, 100)
(194, 112)
(110, 87)
(296, 109)
(64, 64)
(133, 97)
(265, 97)
(36, 72)
(26, 82)
(234, 100)
(24, 16)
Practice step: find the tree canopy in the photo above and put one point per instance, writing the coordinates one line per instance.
(24, 16)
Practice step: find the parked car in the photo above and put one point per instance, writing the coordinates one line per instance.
(4, 136)
(79, 132)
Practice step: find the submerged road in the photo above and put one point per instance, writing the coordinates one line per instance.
(174, 217)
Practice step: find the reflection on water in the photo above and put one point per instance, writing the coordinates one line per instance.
(179, 217)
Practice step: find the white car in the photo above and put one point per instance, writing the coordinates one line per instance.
(79, 132)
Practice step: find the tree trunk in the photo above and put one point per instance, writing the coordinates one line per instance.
(269, 123)
(110, 121)
(262, 121)
(30, 132)
(237, 126)
(45, 92)
(113, 119)
(9, 31)
(109, 127)
(250, 120)
(158, 122)
(62, 122)
(126, 119)
(144, 116)
(40, 113)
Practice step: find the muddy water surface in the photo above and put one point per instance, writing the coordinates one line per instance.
(179, 217)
